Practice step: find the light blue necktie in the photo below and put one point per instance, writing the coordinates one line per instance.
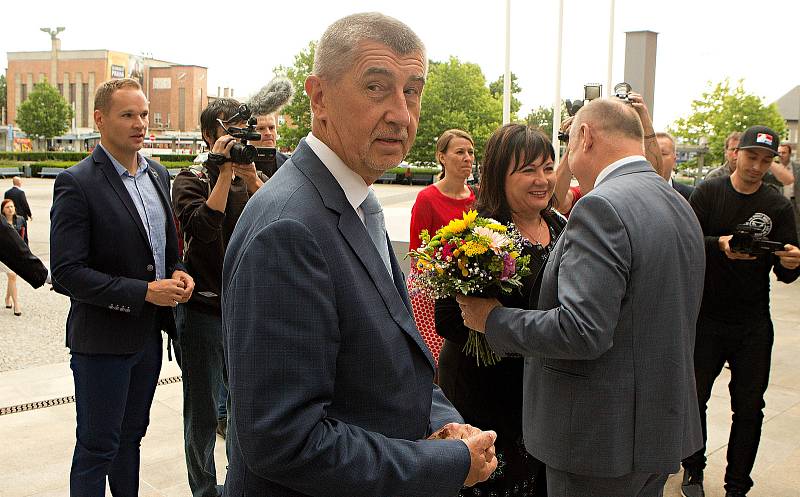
(373, 220)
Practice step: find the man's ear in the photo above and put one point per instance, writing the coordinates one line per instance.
(316, 95)
(588, 137)
(98, 118)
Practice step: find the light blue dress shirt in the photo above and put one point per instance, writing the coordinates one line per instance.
(144, 193)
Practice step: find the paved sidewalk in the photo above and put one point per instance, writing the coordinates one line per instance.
(38, 444)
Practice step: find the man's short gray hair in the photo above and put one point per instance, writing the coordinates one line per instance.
(338, 46)
(664, 134)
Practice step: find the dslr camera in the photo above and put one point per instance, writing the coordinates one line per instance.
(621, 91)
(747, 240)
(242, 153)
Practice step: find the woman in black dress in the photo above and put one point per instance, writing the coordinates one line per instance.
(516, 189)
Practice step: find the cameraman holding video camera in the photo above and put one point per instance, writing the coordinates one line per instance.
(208, 201)
(734, 324)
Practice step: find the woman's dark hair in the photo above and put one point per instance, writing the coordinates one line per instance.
(444, 141)
(511, 146)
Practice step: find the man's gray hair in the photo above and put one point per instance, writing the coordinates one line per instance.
(338, 46)
(664, 134)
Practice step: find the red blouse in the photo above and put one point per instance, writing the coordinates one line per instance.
(433, 209)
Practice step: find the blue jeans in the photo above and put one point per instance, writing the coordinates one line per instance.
(113, 394)
(203, 367)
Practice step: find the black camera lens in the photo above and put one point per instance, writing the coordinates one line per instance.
(243, 154)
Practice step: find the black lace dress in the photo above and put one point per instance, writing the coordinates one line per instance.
(490, 397)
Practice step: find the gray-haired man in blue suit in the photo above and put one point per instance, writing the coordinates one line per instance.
(609, 401)
(330, 382)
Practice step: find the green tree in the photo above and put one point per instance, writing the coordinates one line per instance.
(456, 96)
(3, 92)
(496, 89)
(45, 113)
(542, 118)
(298, 111)
(719, 111)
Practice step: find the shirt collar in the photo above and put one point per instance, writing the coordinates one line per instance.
(143, 165)
(355, 189)
(616, 165)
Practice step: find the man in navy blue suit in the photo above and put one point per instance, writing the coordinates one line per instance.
(331, 384)
(114, 252)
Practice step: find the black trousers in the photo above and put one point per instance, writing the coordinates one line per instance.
(747, 347)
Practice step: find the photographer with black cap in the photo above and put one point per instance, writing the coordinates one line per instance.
(208, 200)
(734, 324)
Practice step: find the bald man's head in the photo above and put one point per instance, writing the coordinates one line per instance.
(604, 131)
(612, 118)
(17, 181)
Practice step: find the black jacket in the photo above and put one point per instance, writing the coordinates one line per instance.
(20, 202)
(15, 254)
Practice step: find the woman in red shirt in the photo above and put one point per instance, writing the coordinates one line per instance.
(437, 205)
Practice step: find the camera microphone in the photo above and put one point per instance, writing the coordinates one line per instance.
(272, 97)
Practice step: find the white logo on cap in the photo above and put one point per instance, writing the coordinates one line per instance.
(764, 138)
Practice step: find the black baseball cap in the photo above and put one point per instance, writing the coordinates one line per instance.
(760, 137)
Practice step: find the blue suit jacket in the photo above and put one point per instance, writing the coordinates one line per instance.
(330, 381)
(609, 374)
(101, 258)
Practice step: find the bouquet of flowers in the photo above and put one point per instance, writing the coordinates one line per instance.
(471, 255)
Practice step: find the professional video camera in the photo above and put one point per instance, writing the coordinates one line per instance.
(242, 153)
(746, 240)
(590, 92)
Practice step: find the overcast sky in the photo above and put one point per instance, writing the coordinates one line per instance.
(698, 41)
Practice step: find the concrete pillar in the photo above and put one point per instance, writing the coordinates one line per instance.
(30, 82)
(17, 93)
(92, 89)
(78, 99)
(65, 87)
(640, 64)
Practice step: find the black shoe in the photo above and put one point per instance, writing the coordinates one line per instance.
(222, 427)
(692, 485)
(735, 493)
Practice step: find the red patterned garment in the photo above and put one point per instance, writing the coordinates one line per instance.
(431, 211)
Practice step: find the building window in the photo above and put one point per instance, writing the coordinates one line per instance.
(72, 93)
(157, 118)
(61, 89)
(24, 91)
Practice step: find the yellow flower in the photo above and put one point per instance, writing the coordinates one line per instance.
(454, 227)
(514, 255)
(469, 217)
(497, 227)
(474, 248)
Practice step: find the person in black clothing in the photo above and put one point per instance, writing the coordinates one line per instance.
(207, 201)
(516, 187)
(734, 324)
(17, 256)
(16, 194)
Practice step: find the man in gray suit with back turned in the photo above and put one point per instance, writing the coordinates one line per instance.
(331, 385)
(609, 401)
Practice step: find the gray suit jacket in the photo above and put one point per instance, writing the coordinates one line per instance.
(609, 375)
(330, 381)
